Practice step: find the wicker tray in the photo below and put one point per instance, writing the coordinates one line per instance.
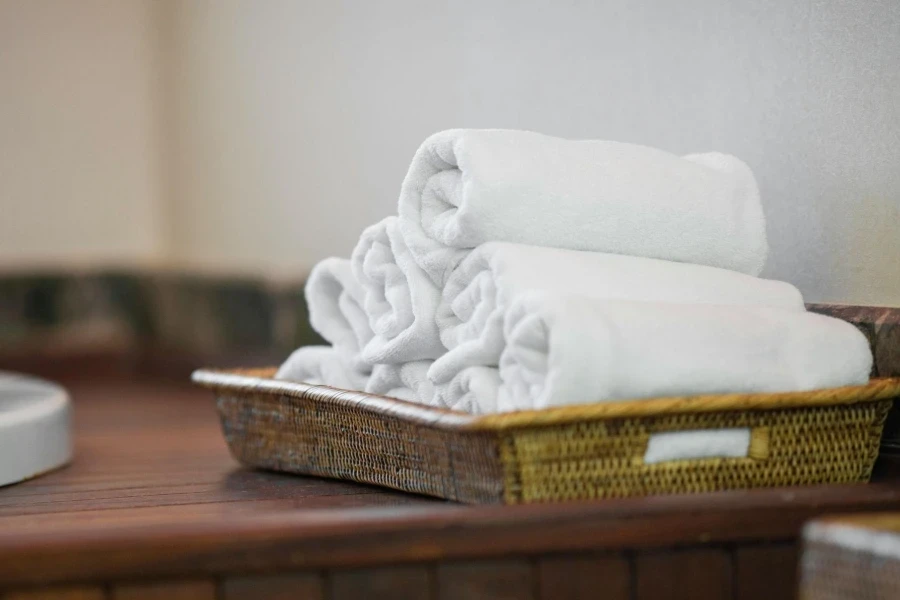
(570, 453)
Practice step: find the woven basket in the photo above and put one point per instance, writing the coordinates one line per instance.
(854, 557)
(568, 453)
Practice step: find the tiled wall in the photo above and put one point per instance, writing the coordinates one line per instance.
(198, 314)
(881, 326)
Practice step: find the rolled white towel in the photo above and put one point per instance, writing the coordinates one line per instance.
(478, 293)
(406, 381)
(322, 365)
(473, 390)
(400, 299)
(573, 350)
(335, 300)
(466, 187)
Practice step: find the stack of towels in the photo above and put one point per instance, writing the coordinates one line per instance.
(524, 271)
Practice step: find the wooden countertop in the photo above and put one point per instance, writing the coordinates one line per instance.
(153, 492)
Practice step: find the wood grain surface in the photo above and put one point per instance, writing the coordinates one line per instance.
(153, 494)
(766, 571)
(570, 577)
(77, 592)
(504, 579)
(169, 590)
(407, 582)
(289, 586)
(703, 574)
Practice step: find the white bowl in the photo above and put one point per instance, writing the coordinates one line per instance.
(35, 427)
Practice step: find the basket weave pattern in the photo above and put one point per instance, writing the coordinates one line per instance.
(570, 453)
(308, 436)
(835, 444)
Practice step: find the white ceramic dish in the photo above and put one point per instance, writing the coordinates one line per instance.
(35, 427)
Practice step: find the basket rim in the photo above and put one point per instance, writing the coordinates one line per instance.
(243, 381)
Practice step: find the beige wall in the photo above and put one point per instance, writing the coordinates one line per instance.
(289, 124)
(80, 177)
(295, 122)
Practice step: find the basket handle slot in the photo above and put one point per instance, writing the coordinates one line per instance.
(693, 444)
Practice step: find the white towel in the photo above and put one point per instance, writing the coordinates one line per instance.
(468, 187)
(477, 294)
(573, 350)
(400, 299)
(335, 300)
(322, 365)
(406, 381)
(473, 390)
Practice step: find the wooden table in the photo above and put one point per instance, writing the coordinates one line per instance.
(154, 507)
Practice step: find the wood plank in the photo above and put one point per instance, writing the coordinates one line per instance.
(157, 542)
(584, 576)
(85, 592)
(703, 574)
(486, 580)
(221, 540)
(168, 590)
(297, 586)
(383, 583)
(766, 572)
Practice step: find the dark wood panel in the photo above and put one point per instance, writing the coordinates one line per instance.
(766, 572)
(584, 577)
(86, 592)
(297, 586)
(384, 583)
(704, 574)
(170, 541)
(174, 590)
(486, 580)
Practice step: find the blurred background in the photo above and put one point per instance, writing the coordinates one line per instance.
(171, 169)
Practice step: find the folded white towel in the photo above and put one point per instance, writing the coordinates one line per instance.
(468, 187)
(335, 300)
(573, 350)
(477, 294)
(400, 299)
(473, 390)
(322, 365)
(406, 381)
